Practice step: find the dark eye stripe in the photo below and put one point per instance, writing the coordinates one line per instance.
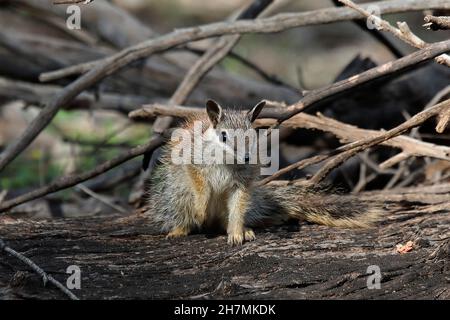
(224, 136)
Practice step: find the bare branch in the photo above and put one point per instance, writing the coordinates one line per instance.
(393, 67)
(276, 23)
(39, 94)
(345, 132)
(437, 23)
(353, 148)
(100, 198)
(403, 32)
(72, 1)
(351, 83)
(376, 34)
(45, 277)
(98, 70)
(349, 133)
(72, 180)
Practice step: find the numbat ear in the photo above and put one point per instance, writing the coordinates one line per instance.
(214, 111)
(254, 113)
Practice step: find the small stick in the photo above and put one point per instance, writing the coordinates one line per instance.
(403, 32)
(39, 271)
(3, 195)
(100, 198)
(400, 171)
(376, 34)
(298, 165)
(437, 23)
(72, 1)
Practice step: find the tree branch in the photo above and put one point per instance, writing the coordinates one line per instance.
(429, 52)
(403, 32)
(380, 37)
(276, 23)
(345, 132)
(105, 67)
(437, 23)
(45, 277)
(351, 149)
(315, 96)
(72, 180)
(202, 66)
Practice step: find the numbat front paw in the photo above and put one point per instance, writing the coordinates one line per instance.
(249, 235)
(176, 233)
(237, 238)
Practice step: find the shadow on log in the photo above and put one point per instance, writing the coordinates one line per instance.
(125, 258)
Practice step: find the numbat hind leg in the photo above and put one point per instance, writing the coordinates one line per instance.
(178, 232)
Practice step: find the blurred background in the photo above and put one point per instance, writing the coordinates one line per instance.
(95, 127)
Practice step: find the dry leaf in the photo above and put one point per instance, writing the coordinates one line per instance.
(404, 248)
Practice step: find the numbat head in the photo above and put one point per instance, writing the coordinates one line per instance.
(232, 131)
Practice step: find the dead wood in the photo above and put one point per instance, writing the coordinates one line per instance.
(276, 23)
(213, 55)
(353, 148)
(156, 81)
(437, 23)
(315, 96)
(72, 180)
(403, 32)
(125, 258)
(38, 95)
(345, 132)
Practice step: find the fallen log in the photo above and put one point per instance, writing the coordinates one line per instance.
(126, 258)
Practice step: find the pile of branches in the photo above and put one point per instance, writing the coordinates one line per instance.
(117, 63)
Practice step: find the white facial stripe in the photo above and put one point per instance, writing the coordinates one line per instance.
(211, 135)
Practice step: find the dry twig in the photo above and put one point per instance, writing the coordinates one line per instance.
(437, 23)
(353, 148)
(376, 34)
(45, 277)
(315, 96)
(345, 132)
(102, 199)
(72, 180)
(276, 23)
(98, 70)
(386, 69)
(402, 32)
(72, 1)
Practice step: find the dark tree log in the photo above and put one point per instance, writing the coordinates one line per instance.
(125, 258)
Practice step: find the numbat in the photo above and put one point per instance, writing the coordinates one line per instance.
(187, 197)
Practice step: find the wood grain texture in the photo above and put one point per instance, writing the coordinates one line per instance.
(125, 258)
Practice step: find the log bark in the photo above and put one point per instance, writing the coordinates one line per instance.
(126, 258)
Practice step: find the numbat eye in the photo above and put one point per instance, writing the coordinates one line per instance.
(224, 136)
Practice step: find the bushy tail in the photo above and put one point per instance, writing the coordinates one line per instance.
(279, 203)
